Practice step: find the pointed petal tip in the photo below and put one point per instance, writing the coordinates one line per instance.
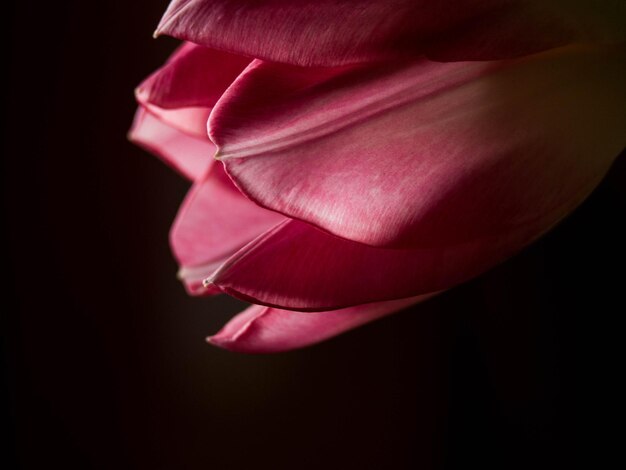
(217, 342)
(208, 282)
(212, 340)
(159, 29)
(141, 94)
(230, 344)
(162, 27)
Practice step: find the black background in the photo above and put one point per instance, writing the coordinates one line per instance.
(104, 360)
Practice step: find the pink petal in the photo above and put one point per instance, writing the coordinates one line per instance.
(334, 32)
(188, 154)
(295, 266)
(261, 329)
(183, 92)
(214, 222)
(191, 121)
(426, 154)
(193, 76)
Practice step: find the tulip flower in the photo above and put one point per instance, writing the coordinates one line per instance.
(351, 158)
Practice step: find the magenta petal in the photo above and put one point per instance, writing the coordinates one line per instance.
(179, 98)
(297, 267)
(183, 92)
(214, 222)
(188, 154)
(193, 76)
(191, 121)
(261, 329)
(422, 153)
(334, 32)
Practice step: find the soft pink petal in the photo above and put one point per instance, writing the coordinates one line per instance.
(425, 154)
(193, 76)
(191, 121)
(183, 92)
(190, 155)
(334, 32)
(214, 222)
(295, 266)
(261, 329)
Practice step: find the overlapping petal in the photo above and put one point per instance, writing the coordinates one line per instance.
(190, 155)
(214, 222)
(295, 266)
(262, 329)
(387, 176)
(421, 154)
(194, 76)
(176, 102)
(183, 92)
(334, 32)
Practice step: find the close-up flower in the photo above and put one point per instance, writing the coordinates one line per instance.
(313, 234)
(348, 159)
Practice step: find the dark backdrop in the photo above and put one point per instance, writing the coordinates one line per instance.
(104, 360)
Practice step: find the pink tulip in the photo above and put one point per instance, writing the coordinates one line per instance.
(359, 173)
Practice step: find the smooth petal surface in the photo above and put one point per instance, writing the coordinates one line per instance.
(183, 92)
(214, 222)
(193, 76)
(425, 154)
(261, 329)
(335, 32)
(191, 121)
(188, 154)
(295, 266)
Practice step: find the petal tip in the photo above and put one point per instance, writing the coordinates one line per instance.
(163, 26)
(141, 94)
(221, 342)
